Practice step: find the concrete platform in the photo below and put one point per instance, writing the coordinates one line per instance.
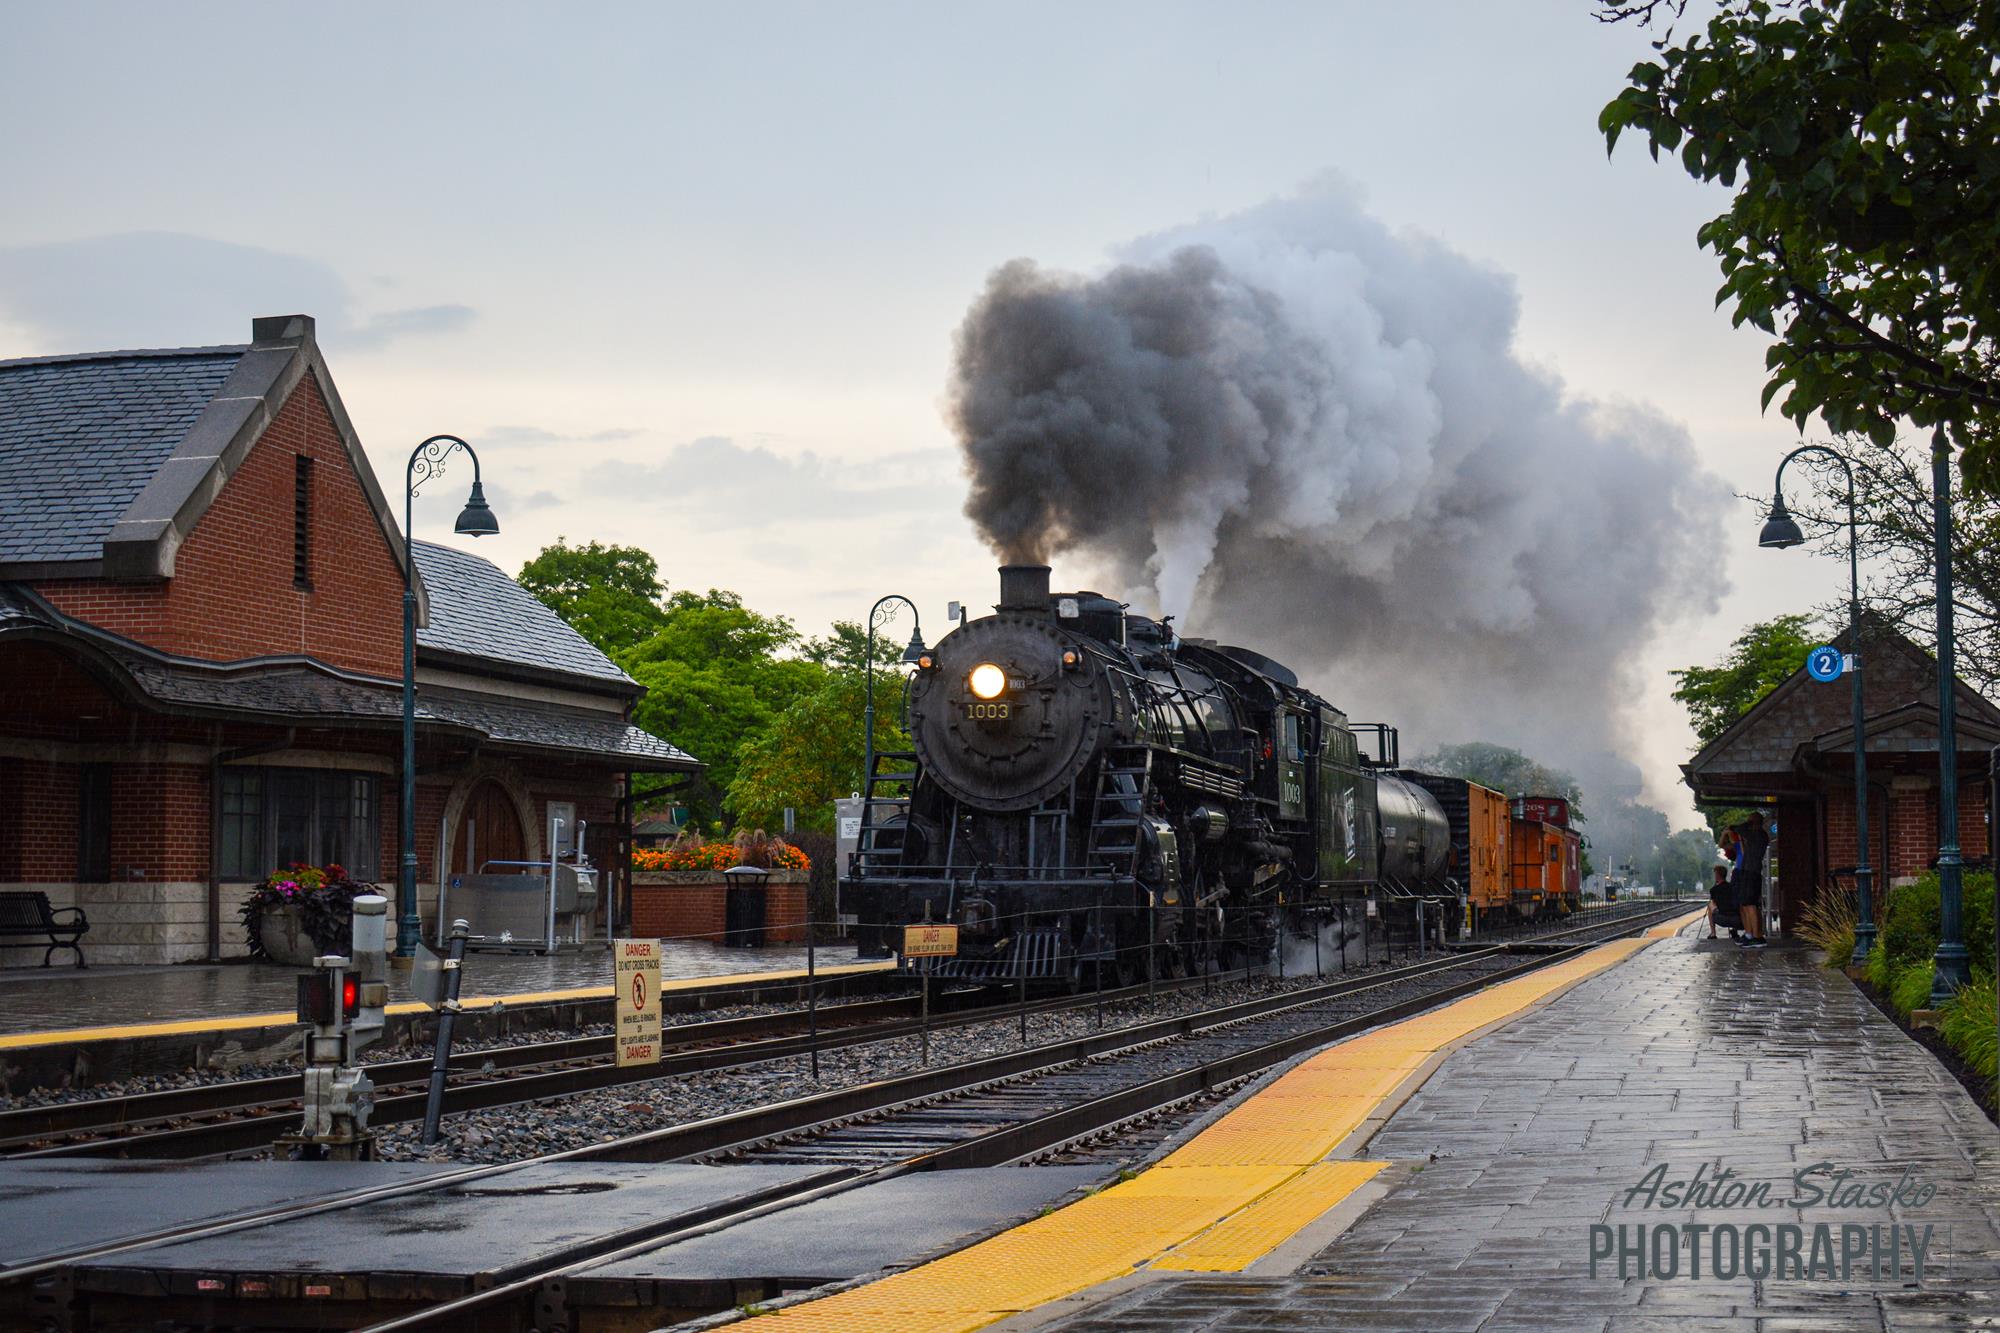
(54, 1208)
(166, 1019)
(862, 1232)
(431, 1246)
(1691, 1056)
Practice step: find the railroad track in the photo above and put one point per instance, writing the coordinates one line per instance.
(246, 1115)
(1015, 1107)
(980, 1113)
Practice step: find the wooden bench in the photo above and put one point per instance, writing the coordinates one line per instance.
(27, 915)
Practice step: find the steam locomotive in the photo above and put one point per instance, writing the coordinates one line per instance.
(1091, 794)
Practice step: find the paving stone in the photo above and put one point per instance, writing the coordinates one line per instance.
(1761, 1063)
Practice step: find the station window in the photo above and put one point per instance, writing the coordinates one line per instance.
(93, 823)
(271, 817)
(302, 472)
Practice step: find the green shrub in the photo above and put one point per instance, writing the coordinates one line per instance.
(1910, 922)
(1878, 968)
(1967, 1025)
(1910, 986)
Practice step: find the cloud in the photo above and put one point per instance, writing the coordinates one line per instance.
(170, 289)
(379, 330)
(518, 436)
(748, 486)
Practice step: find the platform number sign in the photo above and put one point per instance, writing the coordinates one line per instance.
(1825, 663)
(636, 975)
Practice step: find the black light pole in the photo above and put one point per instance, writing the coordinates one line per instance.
(1952, 965)
(475, 520)
(912, 655)
(1780, 532)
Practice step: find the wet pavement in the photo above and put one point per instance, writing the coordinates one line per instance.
(34, 999)
(1691, 1056)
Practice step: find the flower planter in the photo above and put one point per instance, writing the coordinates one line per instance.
(694, 905)
(283, 930)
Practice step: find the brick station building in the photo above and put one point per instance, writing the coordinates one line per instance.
(1795, 750)
(201, 589)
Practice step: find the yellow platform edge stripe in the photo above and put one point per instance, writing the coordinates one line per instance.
(1213, 1205)
(244, 1022)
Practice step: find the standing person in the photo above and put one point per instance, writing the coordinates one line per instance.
(1721, 902)
(1749, 879)
(1732, 855)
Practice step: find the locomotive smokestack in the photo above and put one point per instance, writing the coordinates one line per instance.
(1024, 588)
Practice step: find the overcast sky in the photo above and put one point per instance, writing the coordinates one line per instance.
(689, 276)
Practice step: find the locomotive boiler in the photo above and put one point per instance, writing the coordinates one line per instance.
(1091, 793)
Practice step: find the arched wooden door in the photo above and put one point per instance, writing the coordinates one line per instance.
(489, 829)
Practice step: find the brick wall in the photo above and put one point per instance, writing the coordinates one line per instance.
(43, 842)
(665, 907)
(678, 912)
(232, 594)
(1910, 814)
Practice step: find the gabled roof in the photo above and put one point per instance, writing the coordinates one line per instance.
(147, 440)
(477, 612)
(1801, 716)
(81, 436)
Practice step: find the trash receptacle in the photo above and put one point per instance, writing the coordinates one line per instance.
(743, 907)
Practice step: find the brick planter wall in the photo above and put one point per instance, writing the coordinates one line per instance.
(683, 904)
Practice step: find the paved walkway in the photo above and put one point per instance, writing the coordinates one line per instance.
(35, 999)
(1691, 1055)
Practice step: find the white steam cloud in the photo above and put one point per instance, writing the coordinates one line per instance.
(1298, 431)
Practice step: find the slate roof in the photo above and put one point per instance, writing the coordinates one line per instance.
(477, 611)
(80, 437)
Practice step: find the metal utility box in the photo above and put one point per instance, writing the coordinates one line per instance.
(523, 905)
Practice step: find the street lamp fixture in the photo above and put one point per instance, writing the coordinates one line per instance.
(912, 655)
(1952, 966)
(1781, 531)
(475, 520)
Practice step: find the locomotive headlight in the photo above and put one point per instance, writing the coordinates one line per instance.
(987, 681)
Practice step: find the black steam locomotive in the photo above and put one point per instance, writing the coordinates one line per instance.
(1085, 782)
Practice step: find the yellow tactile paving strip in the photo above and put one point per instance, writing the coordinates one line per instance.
(242, 1022)
(1223, 1200)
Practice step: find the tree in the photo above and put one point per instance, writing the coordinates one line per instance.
(716, 678)
(846, 646)
(608, 594)
(1760, 659)
(811, 755)
(1862, 140)
(1893, 502)
(1505, 770)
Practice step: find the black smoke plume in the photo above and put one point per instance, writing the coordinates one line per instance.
(1294, 429)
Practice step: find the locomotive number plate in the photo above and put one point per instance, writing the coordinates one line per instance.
(989, 712)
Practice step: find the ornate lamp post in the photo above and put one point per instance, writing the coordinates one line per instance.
(911, 656)
(475, 520)
(1780, 532)
(1952, 964)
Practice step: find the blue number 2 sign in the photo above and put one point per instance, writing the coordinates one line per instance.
(1824, 663)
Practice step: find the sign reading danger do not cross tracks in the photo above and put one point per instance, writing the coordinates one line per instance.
(636, 975)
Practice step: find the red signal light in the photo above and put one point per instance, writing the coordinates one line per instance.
(350, 995)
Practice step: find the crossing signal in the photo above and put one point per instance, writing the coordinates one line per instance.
(317, 992)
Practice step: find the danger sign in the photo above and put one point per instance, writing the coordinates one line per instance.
(930, 941)
(636, 978)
